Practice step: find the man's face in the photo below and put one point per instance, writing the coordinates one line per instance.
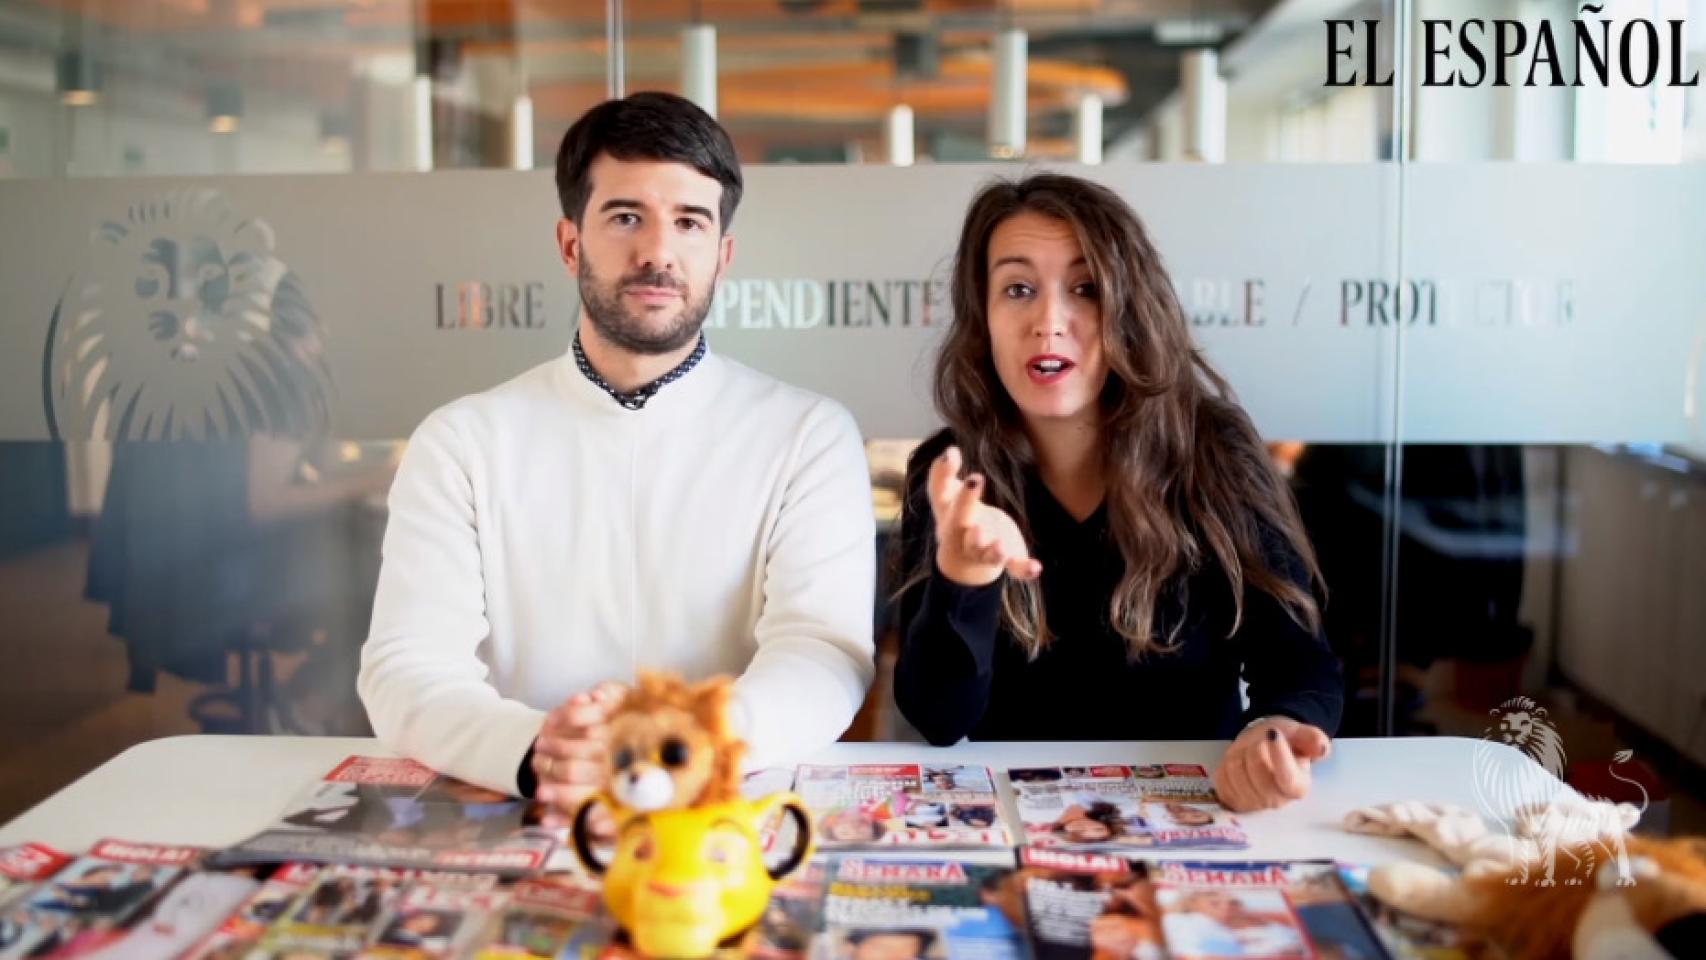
(889, 946)
(648, 252)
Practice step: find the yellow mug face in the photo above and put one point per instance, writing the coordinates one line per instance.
(683, 881)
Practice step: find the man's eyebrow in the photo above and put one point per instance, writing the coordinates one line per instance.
(624, 203)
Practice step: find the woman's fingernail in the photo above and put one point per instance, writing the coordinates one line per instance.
(1273, 734)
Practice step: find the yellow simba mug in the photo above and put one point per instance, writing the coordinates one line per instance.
(684, 882)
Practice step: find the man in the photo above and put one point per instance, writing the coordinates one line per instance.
(638, 503)
(889, 944)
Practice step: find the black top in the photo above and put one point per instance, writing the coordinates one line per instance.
(961, 674)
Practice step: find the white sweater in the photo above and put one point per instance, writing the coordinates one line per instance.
(542, 538)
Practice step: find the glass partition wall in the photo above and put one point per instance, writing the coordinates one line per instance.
(1465, 318)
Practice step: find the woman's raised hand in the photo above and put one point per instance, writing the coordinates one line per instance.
(975, 542)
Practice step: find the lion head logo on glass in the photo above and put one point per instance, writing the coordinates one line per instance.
(181, 323)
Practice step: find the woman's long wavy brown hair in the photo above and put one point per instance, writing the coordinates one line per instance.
(1187, 475)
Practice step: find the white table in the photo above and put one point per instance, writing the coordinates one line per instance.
(216, 790)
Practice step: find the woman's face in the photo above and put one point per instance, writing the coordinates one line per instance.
(1117, 935)
(1215, 904)
(1045, 321)
(850, 827)
(1187, 816)
(1086, 830)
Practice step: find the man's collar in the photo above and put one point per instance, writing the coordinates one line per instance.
(636, 398)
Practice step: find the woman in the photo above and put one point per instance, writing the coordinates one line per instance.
(1097, 546)
(1094, 821)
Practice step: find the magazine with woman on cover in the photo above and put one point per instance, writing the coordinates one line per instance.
(883, 909)
(1089, 906)
(1273, 910)
(902, 805)
(1115, 807)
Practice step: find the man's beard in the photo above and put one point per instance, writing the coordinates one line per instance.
(629, 330)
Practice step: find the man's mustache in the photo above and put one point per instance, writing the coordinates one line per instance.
(653, 279)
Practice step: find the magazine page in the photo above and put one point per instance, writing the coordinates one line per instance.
(1113, 807)
(1096, 806)
(88, 902)
(793, 916)
(1276, 910)
(545, 919)
(336, 912)
(25, 865)
(186, 914)
(902, 805)
(1409, 937)
(387, 812)
(243, 928)
(1180, 810)
(430, 921)
(1083, 905)
(884, 909)
(332, 914)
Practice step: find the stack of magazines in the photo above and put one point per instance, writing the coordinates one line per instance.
(385, 858)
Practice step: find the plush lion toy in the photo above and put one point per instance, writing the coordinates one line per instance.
(1655, 910)
(670, 746)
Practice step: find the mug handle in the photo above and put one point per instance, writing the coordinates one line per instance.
(791, 805)
(581, 834)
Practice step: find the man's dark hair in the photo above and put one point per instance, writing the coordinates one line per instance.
(924, 937)
(647, 126)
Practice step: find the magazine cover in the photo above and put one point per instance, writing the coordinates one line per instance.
(1273, 910)
(87, 903)
(1409, 937)
(184, 915)
(333, 912)
(385, 812)
(432, 922)
(1095, 905)
(243, 928)
(1114, 807)
(904, 804)
(25, 865)
(336, 912)
(881, 909)
(546, 919)
(793, 916)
